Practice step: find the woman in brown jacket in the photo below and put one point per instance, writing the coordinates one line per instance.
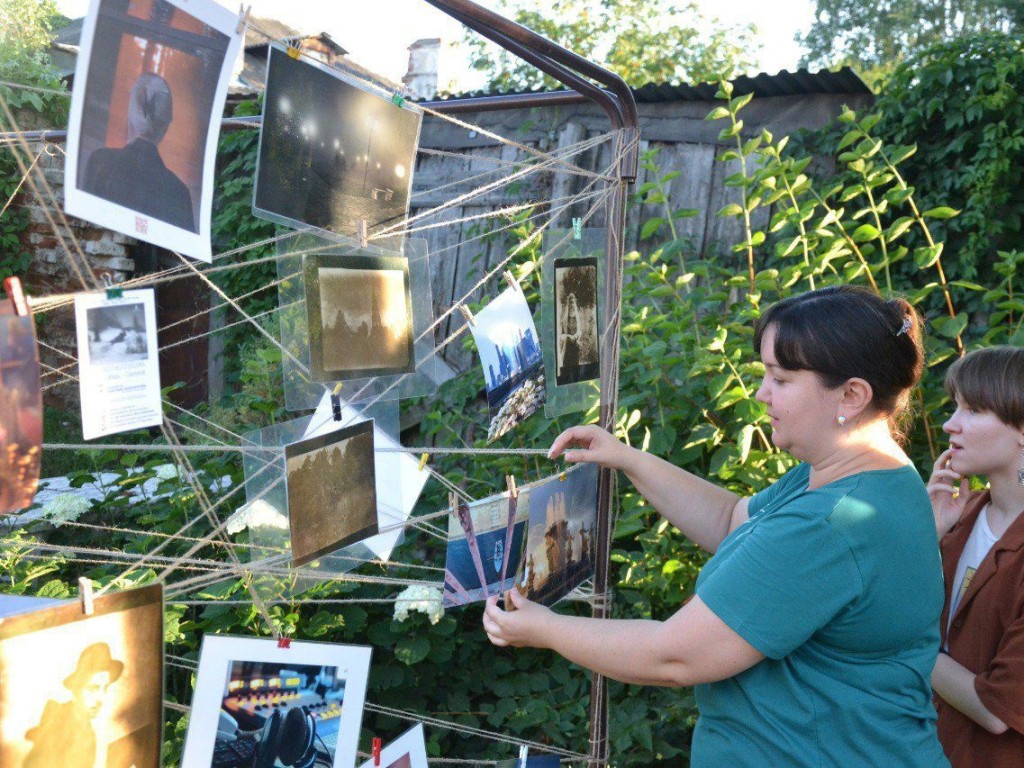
(979, 675)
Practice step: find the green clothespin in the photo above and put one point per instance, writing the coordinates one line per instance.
(398, 100)
(577, 229)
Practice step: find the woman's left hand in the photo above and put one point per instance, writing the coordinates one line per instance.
(523, 627)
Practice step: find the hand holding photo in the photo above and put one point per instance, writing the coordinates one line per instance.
(511, 358)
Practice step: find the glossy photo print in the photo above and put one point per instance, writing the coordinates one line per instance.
(561, 546)
(485, 543)
(512, 361)
(81, 691)
(332, 152)
(259, 705)
(21, 406)
(150, 84)
(359, 310)
(575, 321)
(331, 488)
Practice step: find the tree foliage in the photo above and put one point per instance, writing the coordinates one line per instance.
(643, 41)
(875, 35)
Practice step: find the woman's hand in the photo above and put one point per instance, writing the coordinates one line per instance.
(948, 493)
(590, 444)
(523, 627)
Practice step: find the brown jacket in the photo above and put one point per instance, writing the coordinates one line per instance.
(987, 637)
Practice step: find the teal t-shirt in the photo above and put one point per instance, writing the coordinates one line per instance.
(840, 588)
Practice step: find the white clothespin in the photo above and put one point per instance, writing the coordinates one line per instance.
(361, 233)
(524, 752)
(85, 595)
(243, 18)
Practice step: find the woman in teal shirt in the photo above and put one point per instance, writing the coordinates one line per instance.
(814, 628)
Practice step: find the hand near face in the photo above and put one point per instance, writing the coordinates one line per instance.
(947, 490)
(523, 627)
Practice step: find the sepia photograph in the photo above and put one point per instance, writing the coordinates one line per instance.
(512, 361)
(259, 705)
(561, 544)
(576, 332)
(21, 409)
(80, 691)
(485, 542)
(150, 83)
(407, 751)
(360, 316)
(331, 488)
(117, 333)
(332, 152)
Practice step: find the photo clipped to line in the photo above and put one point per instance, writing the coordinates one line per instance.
(331, 488)
(259, 704)
(407, 751)
(576, 331)
(150, 84)
(332, 151)
(118, 362)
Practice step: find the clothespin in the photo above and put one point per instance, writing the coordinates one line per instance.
(284, 642)
(467, 314)
(336, 402)
(562, 476)
(511, 280)
(293, 52)
(12, 286)
(510, 481)
(577, 228)
(85, 595)
(524, 752)
(108, 285)
(398, 100)
(361, 234)
(453, 501)
(243, 18)
(423, 460)
(376, 750)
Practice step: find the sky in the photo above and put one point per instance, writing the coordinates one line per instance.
(377, 34)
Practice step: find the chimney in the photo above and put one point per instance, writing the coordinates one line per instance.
(421, 79)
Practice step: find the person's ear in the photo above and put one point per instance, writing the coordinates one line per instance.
(857, 396)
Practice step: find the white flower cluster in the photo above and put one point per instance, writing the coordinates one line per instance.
(64, 508)
(167, 472)
(258, 514)
(426, 600)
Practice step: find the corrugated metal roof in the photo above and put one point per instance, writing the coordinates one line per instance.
(783, 83)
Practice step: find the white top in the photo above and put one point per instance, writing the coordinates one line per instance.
(978, 545)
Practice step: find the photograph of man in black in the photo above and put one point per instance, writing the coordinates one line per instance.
(135, 175)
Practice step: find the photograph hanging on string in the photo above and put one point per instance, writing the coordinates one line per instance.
(82, 690)
(512, 362)
(331, 488)
(532, 761)
(21, 407)
(257, 703)
(575, 321)
(359, 311)
(118, 362)
(150, 85)
(561, 547)
(333, 151)
(407, 751)
(485, 543)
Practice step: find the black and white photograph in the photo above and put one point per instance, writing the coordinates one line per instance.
(561, 546)
(21, 408)
(118, 362)
(407, 751)
(512, 361)
(485, 542)
(257, 704)
(360, 316)
(332, 152)
(82, 691)
(575, 321)
(150, 84)
(331, 489)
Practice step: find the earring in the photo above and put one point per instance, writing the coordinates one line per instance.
(841, 420)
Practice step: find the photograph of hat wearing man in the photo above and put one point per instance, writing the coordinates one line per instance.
(66, 734)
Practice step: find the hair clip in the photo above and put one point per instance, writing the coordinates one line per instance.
(905, 328)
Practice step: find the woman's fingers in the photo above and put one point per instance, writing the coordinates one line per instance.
(950, 489)
(945, 474)
(943, 460)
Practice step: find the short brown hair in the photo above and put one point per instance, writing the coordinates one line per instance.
(991, 380)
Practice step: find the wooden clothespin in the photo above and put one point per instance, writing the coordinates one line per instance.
(85, 595)
(284, 642)
(511, 280)
(510, 481)
(453, 501)
(362, 234)
(423, 460)
(577, 228)
(376, 750)
(467, 314)
(12, 286)
(243, 18)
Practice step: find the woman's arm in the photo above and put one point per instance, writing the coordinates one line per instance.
(955, 684)
(693, 646)
(704, 512)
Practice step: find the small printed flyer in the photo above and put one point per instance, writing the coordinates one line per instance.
(119, 370)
